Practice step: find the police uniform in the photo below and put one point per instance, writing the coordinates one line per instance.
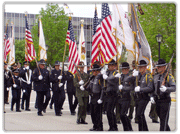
(112, 83)
(162, 97)
(124, 98)
(95, 88)
(145, 82)
(15, 82)
(42, 88)
(26, 77)
(71, 91)
(82, 97)
(58, 90)
(7, 76)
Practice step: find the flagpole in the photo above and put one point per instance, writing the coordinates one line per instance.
(25, 40)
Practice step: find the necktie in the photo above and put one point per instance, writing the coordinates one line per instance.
(158, 86)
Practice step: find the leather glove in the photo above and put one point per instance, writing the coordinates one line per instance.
(40, 77)
(105, 76)
(81, 82)
(135, 73)
(99, 101)
(14, 85)
(60, 84)
(152, 100)
(137, 89)
(118, 75)
(82, 88)
(120, 87)
(60, 77)
(163, 88)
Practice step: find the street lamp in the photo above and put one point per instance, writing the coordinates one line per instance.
(159, 39)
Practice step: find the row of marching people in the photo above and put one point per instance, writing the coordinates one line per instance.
(114, 89)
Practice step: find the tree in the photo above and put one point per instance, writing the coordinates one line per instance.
(55, 24)
(160, 18)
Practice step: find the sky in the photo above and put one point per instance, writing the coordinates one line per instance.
(78, 9)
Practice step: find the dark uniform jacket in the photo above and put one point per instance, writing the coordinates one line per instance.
(95, 88)
(70, 85)
(127, 87)
(79, 92)
(169, 83)
(17, 81)
(145, 82)
(7, 76)
(41, 85)
(25, 76)
(55, 81)
(112, 82)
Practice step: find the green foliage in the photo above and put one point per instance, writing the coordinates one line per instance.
(160, 18)
(55, 24)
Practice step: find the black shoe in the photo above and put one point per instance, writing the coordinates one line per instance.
(18, 110)
(99, 129)
(27, 109)
(92, 129)
(58, 114)
(22, 107)
(11, 109)
(40, 114)
(83, 122)
(44, 110)
(73, 113)
(154, 121)
(6, 102)
(78, 121)
(118, 122)
(50, 106)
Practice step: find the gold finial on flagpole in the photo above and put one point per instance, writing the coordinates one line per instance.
(82, 21)
(26, 13)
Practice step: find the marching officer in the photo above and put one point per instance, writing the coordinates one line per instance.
(95, 88)
(58, 81)
(41, 86)
(82, 96)
(71, 91)
(142, 90)
(162, 94)
(26, 77)
(124, 96)
(111, 78)
(15, 82)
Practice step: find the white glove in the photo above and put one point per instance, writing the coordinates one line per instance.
(24, 68)
(81, 82)
(82, 88)
(137, 89)
(152, 100)
(103, 72)
(60, 84)
(135, 73)
(60, 77)
(24, 91)
(163, 88)
(28, 82)
(14, 85)
(40, 77)
(105, 76)
(99, 101)
(27, 67)
(118, 75)
(7, 89)
(120, 87)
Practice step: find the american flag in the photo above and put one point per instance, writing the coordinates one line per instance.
(73, 53)
(108, 45)
(96, 40)
(30, 53)
(6, 44)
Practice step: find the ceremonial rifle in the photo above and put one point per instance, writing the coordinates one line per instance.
(167, 70)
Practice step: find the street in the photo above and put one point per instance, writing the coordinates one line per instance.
(29, 121)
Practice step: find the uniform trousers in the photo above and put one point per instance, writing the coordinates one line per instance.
(40, 100)
(111, 102)
(72, 105)
(123, 106)
(163, 109)
(26, 97)
(82, 108)
(59, 98)
(16, 95)
(140, 109)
